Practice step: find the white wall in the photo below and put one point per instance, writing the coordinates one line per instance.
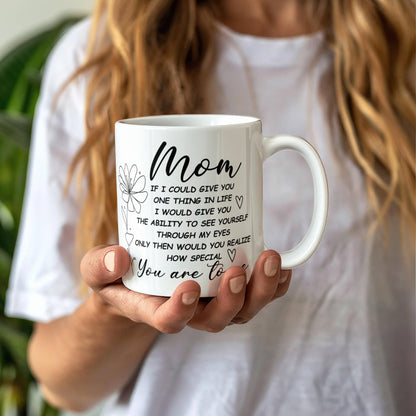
(19, 18)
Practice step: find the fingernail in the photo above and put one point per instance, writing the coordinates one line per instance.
(284, 274)
(109, 261)
(271, 265)
(189, 298)
(237, 284)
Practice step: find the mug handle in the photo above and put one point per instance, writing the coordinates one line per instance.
(299, 254)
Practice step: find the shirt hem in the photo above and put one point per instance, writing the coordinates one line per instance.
(38, 307)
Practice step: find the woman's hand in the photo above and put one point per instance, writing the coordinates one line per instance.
(235, 303)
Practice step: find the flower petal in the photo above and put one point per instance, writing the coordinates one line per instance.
(126, 197)
(140, 196)
(137, 204)
(126, 175)
(140, 183)
(130, 205)
(121, 171)
(122, 184)
(132, 176)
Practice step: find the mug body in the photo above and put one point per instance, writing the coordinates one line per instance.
(189, 196)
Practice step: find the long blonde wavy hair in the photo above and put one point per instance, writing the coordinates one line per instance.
(151, 56)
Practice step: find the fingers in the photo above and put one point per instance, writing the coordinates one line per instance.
(262, 286)
(236, 302)
(101, 269)
(103, 265)
(218, 313)
(172, 315)
(284, 283)
(168, 315)
(267, 283)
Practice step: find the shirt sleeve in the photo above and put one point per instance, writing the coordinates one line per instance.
(43, 283)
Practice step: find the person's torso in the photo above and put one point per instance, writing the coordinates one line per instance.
(340, 341)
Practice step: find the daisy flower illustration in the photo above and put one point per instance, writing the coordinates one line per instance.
(132, 185)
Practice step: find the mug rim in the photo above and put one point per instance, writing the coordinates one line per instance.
(163, 121)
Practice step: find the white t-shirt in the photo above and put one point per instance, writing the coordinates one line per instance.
(340, 342)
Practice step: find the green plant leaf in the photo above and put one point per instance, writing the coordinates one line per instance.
(17, 128)
(33, 64)
(14, 342)
(20, 78)
(6, 218)
(17, 66)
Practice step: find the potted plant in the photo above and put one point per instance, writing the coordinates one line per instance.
(20, 79)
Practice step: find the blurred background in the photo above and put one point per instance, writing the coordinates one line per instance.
(28, 31)
(22, 18)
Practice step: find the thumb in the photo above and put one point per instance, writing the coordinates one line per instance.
(103, 265)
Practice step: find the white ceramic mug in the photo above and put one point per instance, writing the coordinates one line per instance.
(190, 192)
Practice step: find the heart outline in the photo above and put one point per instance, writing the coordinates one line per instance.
(239, 200)
(129, 238)
(231, 253)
